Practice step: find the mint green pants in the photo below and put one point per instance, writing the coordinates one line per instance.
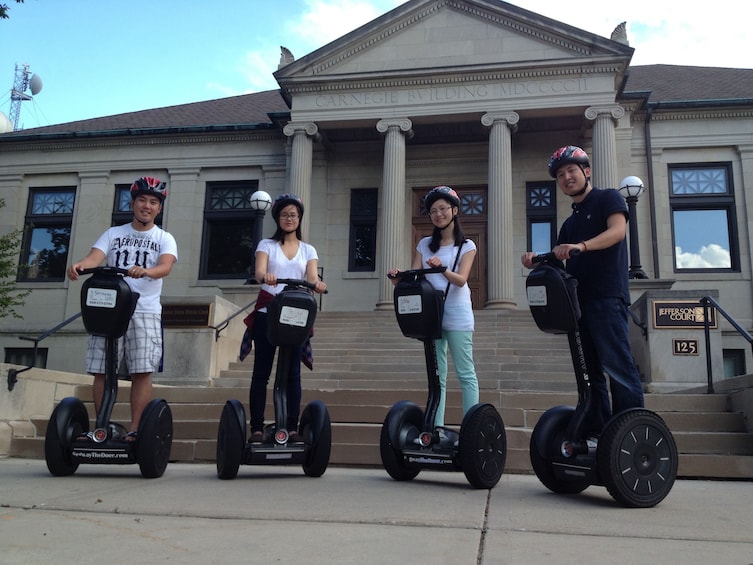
(460, 345)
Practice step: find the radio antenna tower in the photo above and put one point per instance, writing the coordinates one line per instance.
(23, 81)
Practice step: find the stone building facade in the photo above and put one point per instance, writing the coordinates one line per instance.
(474, 94)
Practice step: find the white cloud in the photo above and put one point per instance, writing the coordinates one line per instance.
(710, 256)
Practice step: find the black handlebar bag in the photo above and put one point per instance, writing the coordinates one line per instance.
(419, 308)
(290, 317)
(553, 298)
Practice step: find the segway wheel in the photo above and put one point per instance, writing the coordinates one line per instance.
(637, 458)
(69, 419)
(231, 439)
(483, 446)
(401, 426)
(546, 439)
(155, 439)
(316, 429)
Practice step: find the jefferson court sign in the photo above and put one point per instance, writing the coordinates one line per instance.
(687, 314)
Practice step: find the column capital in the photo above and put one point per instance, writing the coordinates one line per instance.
(309, 128)
(614, 111)
(510, 118)
(404, 124)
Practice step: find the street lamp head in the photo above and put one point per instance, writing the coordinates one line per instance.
(260, 200)
(631, 186)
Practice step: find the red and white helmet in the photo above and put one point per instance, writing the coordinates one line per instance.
(444, 192)
(150, 186)
(565, 155)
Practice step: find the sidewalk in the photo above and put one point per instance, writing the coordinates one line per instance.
(110, 514)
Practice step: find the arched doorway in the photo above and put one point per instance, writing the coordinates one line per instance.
(473, 213)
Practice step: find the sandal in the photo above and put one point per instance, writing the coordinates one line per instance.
(131, 436)
(295, 437)
(257, 437)
(84, 436)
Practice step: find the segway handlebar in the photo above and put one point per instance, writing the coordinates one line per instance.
(105, 271)
(416, 272)
(550, 258)
(299, 282)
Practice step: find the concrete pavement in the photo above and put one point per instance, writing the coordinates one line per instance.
(110, 514)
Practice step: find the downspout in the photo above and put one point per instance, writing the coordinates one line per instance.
(651, 192)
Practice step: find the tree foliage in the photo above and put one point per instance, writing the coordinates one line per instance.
(10, 297)
(4, 9)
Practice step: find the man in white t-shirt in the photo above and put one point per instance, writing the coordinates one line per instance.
(148, 253)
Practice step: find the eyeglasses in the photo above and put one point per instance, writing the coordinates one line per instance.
(293, 217)
(441, 210)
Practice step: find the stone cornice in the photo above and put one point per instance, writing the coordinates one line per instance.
(458, 76)
(715, 114)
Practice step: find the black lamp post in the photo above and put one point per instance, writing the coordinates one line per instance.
(260, 202)
(631, 188)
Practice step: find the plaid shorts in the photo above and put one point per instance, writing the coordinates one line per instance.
(142, 343)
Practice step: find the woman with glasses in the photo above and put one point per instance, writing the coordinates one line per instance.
(447, 246)
(285, 255)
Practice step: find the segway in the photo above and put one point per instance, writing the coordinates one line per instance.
(290, 317)
(107, 304)
(634, 456)
(410, 440)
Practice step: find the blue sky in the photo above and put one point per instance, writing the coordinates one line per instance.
(103, 57)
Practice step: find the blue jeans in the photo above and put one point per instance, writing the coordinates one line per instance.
(604, 332)
(461, 349)
(264, 357)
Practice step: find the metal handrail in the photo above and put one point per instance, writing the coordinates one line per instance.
(13, 373)
(224, 323)
(705, 301)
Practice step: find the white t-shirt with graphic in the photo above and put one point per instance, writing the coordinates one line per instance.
(126, 247)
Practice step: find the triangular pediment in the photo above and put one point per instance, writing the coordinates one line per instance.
(424, 37)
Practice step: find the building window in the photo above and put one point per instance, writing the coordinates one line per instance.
(704, 229)
(122, 212)
(363, 227)
(541, 216)
(227, 248)
(44, 252)
(25, 356)
(734, 362)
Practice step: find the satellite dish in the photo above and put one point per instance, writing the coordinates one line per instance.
(35, 84)
(5, 124)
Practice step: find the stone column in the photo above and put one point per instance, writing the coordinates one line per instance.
(500, 260)
(392, 230)
(184, 198)
(304, 134)
(604, 158)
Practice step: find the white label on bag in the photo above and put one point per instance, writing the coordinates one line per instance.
(536, 295)
(409, 304)
(294, 316)
(101, 297)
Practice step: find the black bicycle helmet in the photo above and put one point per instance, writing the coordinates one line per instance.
(282, 201)
(149, 186)
(444, 192)
(565, 155)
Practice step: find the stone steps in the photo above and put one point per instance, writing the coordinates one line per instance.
(712, 442)
(363, 365)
